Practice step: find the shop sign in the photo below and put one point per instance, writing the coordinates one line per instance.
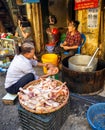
(31, 1)
(84, 4)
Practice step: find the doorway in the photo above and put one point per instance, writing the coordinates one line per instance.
(63, 10)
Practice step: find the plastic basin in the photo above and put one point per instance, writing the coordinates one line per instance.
(96, 116)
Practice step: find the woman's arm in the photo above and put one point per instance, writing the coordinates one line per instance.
(63, 44)
(25, 33)
(70, 47)
(16, 34)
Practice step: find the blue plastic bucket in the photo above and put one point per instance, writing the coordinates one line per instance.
(96, 116)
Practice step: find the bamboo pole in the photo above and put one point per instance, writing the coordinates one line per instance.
(37, 27)
(34, 15)
(41, 28)
(33, 21)
(30, 16)
(29, 13)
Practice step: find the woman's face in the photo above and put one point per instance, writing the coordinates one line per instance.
(18, 22)
(71, 27)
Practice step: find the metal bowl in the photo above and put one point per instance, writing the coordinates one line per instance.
(80, 62)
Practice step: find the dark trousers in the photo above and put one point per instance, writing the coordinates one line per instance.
(14, 89)
(59, 50)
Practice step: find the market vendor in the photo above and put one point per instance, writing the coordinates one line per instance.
(21, 71)
(72, 41)
(52, 31)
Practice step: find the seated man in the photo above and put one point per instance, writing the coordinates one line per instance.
(72, 40)
(21, 71)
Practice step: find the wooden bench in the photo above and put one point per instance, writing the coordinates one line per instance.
(9, 98)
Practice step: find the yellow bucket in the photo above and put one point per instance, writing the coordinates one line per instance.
(49, 58)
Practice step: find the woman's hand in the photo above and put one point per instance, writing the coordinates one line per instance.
(61, 45)
(21, 28)
(66, 47)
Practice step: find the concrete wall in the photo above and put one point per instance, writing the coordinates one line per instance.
(59, 9)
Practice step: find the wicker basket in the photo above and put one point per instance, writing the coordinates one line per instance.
(61, 104)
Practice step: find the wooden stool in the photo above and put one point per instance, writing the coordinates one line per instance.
(9, 98)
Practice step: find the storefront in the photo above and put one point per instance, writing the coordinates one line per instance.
(89, 13)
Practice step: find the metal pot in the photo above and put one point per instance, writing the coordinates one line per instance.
(80, 62)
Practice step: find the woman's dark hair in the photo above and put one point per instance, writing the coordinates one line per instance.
(76, 24)
(24, 21)
(20, 18)
(53, 19)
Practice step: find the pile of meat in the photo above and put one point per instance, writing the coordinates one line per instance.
(44, 95)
